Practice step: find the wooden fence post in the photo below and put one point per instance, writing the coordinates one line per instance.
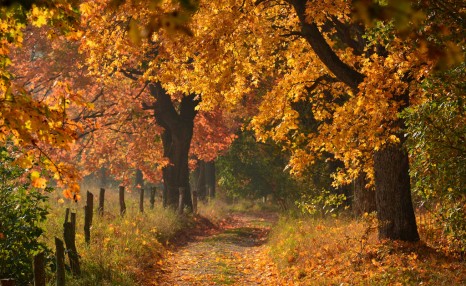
(73, 222)
(122, 200)
(101, 201)
(60, 261)
(69, 233)
(88, 216)
(87, 224)
(181, 200)
(90, 203)
(141, 200)
(152, 197)
(67, 214)
(39, 269)
(7, 282)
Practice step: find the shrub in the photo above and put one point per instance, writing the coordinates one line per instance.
(436, 144)
(22, 208)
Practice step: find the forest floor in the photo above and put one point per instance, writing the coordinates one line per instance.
(232, 253)
(243, 250)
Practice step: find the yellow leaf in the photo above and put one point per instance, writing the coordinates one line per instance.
(39, 17)
(40, 183)
(35, 175)
(25, 161)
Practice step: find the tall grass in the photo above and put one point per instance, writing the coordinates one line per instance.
(218, 209)
(123, 250)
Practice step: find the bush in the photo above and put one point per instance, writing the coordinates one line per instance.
(22, 208)
(436, 144)
(322, 203)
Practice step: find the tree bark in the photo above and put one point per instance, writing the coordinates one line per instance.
(152, 197)
(176, 138)
(314, 37)
(141, 200)
(139, 179)
(394, 205)
(194, 197)
(363, 198)
(103, 177)
(210, 178)
(201, 187)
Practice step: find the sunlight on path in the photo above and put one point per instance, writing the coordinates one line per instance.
(235, 256)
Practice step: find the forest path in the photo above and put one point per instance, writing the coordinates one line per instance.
(235, 254)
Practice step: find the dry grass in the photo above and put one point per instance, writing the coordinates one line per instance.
(214, 210)
(218, 209)
(121, 248)
(347, 252)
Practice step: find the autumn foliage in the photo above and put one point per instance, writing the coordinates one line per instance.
(374, 89)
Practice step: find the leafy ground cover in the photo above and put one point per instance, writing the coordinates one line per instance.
(233, 254)
(347, 252)
(244, 245)
(253, 248)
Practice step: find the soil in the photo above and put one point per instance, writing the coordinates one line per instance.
(233, 253)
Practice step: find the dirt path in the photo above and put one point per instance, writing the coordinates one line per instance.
(233, 255)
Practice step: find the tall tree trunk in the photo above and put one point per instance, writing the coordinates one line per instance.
(201, 181)
(363, 198)
(139, 179)
(194, 178)
(176, 139)
(210, 178)
(394, 205)
(103, 177)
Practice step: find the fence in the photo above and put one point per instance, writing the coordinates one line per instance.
(66, 246)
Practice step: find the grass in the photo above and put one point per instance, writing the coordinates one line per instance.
(213, 209)
(308, 251)
(218, 209)
(122, 249)
(346, 252)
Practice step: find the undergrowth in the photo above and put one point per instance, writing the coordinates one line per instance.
(123, 250)
(213, 209)
(310, 251)
(218, 209)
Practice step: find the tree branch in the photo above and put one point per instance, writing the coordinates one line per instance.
(314, 37)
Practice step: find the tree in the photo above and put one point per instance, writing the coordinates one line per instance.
(22, 210)
(355, 74)
(174, 106)
(176, 139)
(33, 123)
(359, 77)
(313, 45)
(436, 140)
